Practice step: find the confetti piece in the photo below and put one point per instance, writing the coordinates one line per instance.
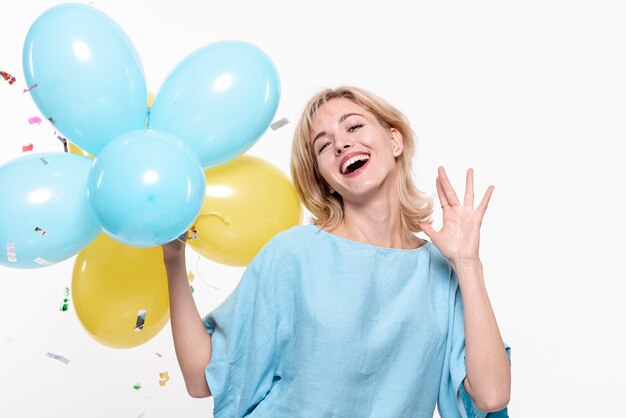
(43, 261)
(30, 88)
(159, 354)
(64, 142)
(11, 256)
(279, 124)
(137, 386)
(141, 318)
(43, 160)
(8, 77)
(27, 148)
(35, 119)
(58, 357)
(192, 289)
(52, 121)
(41, 231)
(163, 378)
(190, 276)
(143, 413)
(66, 299)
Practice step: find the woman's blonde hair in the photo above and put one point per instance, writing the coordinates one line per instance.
(326, 208)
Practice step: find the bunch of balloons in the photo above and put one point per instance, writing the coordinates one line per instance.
(157, 171)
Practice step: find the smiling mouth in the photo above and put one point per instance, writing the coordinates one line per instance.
(354, 163)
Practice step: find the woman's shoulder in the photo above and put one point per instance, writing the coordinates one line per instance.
(288, 242)
(294, 235)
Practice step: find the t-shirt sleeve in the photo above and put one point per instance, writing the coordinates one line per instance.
(246, 341)
(453, 399)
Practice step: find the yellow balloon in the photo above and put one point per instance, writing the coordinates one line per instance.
(247, 202)
(73, 149)
(111, 284)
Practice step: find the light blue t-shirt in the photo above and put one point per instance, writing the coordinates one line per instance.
(324, 327)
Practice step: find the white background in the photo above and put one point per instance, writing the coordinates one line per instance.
(531, 94)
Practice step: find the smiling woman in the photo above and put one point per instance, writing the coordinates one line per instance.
(356, 109)
(354, 315)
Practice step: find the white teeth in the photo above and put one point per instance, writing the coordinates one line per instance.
(352, 161)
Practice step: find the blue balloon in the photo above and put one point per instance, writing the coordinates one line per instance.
(44, 215)
(219, 99)
(146, 188)
(87, 75)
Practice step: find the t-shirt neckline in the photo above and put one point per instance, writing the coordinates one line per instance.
(370, 246)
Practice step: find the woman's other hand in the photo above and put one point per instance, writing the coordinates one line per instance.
(174, 250)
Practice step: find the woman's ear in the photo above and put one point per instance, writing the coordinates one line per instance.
(397, 143)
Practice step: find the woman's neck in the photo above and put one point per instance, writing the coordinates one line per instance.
(377, 223)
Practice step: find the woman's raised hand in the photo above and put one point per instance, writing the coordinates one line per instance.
(459, 237)
(175, 250)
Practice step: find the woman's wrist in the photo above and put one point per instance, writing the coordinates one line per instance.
(467, 268)
(174, 252)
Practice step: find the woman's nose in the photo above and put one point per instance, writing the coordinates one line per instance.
(341, 148)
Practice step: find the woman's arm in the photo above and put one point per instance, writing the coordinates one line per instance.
(488, 379)
(191, 340)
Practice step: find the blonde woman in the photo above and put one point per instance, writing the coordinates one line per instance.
(352, 315)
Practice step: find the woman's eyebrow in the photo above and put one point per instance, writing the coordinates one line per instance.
(318, 136)
(347, 115)
(341, 119)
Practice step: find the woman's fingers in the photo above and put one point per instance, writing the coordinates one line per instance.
(468, 200)
(448, 190)
(442, 195)
(482, 207)
(447, 195)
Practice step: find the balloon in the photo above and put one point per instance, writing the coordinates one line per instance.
(219, 99)
(44, 215)
(73, 149)
(111, 283)
(247, 202)
(146, 188)
(85, 74)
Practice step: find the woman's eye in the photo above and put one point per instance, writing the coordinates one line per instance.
(324, 146)
(354, 127)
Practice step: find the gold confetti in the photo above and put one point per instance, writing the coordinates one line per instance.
(163, 378)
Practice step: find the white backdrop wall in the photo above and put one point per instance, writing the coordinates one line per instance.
(531, 94)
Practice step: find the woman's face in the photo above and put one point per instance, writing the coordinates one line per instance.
(355, 153)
